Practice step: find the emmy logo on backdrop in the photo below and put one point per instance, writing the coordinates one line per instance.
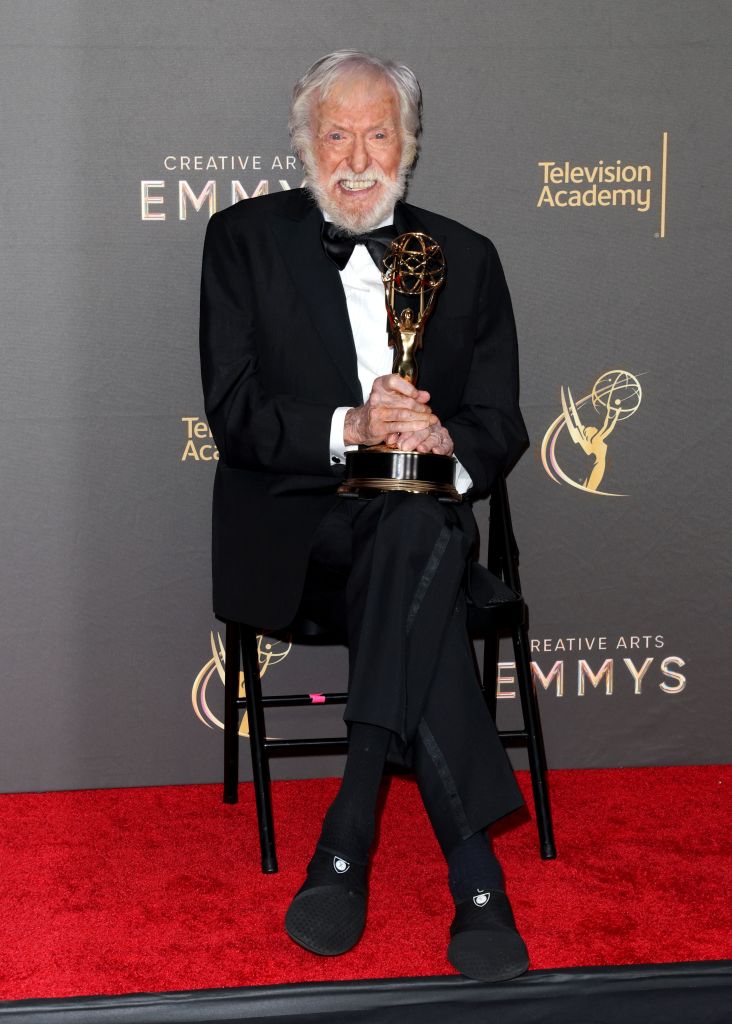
(270, 652)
(413, 272)
(615, 396)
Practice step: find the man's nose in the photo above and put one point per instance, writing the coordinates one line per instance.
(359, 155)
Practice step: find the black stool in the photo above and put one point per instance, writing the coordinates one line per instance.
(490, 615)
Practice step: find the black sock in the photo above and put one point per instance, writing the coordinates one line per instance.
(348, 828)
(473, 867)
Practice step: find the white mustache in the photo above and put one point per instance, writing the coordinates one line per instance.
(370, 174)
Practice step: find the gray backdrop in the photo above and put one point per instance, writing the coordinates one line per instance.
(530, 107)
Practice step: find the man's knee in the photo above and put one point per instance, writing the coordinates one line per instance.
(407, 521)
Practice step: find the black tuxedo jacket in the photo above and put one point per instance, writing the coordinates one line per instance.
(277, 357)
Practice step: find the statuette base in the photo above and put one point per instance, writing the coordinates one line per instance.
(374, 470)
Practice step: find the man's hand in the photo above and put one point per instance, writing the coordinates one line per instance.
(435, 439)
(395, 408)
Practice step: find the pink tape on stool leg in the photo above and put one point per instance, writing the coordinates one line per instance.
(317, 698)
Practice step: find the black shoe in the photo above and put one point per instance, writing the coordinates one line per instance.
(328, 914)
(484, 943)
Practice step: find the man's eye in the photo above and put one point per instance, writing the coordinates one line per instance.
(335, 137)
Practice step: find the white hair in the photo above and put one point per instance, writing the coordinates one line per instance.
(320, 79)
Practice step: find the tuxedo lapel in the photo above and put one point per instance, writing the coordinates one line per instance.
(318, 282)
(406, 218)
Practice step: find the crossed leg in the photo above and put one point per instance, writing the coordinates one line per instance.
(391, 571)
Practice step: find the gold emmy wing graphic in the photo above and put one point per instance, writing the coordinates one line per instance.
(615, 396)
(271, 652)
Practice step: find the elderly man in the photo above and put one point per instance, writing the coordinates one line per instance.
(296, 370)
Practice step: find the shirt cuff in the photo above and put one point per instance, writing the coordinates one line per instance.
(337, 448)
(463, 479)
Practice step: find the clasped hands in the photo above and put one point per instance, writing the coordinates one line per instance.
(397, 414)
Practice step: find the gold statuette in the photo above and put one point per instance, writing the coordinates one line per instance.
(413, 272)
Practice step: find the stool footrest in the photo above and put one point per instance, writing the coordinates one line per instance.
(297, 700)
(510, 736)
(336, 743)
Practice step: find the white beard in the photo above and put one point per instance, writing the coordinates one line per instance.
(355, 222)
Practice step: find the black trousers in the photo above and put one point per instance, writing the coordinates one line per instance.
(391, 571)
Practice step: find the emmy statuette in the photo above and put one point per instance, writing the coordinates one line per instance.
(413, 272)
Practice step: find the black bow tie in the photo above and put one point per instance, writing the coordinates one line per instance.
(339, 246)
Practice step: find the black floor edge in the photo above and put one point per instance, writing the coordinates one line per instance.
(691, 993)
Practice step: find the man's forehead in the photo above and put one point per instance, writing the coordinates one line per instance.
(359, 100)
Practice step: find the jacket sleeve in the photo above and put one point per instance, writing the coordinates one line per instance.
(254, 428)
(488, 430)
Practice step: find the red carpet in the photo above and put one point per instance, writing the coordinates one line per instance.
(143, 890)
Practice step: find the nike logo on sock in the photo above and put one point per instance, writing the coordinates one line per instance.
(340, 865)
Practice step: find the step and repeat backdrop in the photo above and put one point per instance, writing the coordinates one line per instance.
(588, 139)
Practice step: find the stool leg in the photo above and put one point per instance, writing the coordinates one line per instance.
(231, 716)
(535, 743)
(260, 758)
(490, 670)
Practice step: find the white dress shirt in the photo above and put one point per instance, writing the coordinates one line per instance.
(364, 290)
